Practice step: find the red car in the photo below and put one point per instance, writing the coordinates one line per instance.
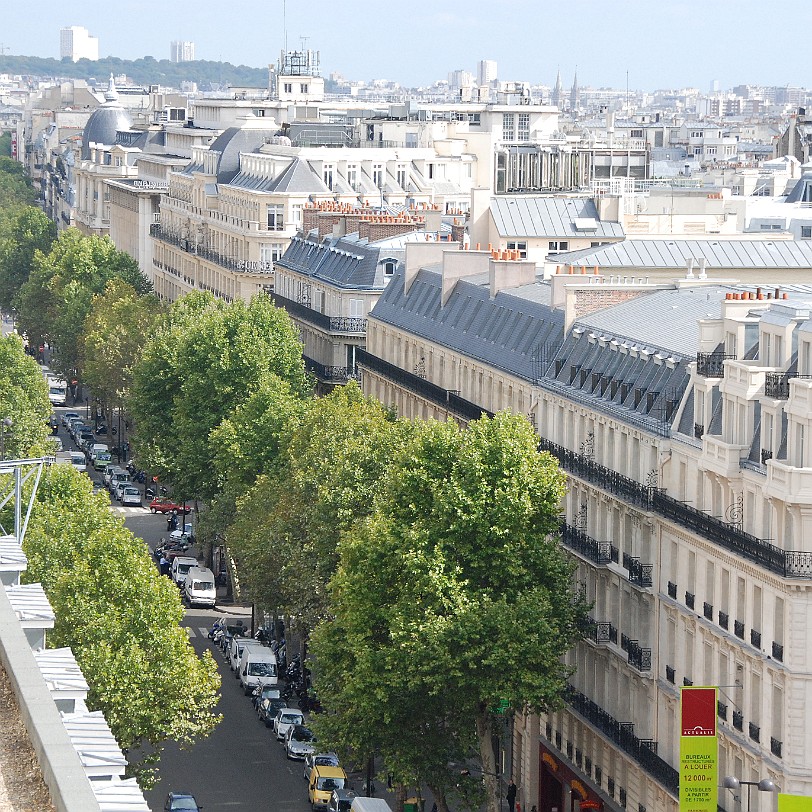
(162, 504)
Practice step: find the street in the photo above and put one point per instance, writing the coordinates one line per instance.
(240, 766)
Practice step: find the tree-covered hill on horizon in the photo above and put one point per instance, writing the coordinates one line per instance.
(144, 71)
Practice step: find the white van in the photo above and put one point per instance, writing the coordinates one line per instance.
(57, 391)
(257, 667)
(236, 648)
(181, 565)
(199, 589)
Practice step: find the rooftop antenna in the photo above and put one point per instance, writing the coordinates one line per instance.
(627, 92)
(285, 22)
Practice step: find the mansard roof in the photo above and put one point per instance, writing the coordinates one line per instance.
(545, 216)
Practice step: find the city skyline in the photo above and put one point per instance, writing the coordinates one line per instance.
(684, 44)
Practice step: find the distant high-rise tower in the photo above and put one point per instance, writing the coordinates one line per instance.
(575, 94)
(181, 51)
(558, 91)
(486, 72)
(76, 43)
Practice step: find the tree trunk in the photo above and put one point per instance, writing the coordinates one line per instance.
(484, 731)
(439, 798)
(400, 797)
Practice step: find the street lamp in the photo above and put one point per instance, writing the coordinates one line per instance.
(764, 785)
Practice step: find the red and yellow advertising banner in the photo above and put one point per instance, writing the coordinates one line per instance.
(699, 751)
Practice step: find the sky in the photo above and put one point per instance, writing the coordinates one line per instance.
(676, 44)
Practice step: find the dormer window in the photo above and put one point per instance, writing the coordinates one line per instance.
(389, 266)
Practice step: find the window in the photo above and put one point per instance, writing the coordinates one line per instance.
(327, 175)
(259, 113)
(377, 175)
(303, 88)
(356, 308)
(269, 252)
(288, 87)
(276, 217)
(352, 176)
(523, 133)
(710, 150)
(402, 175)
(636, 134)
(389, 266)
(431, 171)
(521, 247)
(806, 232)
(559, 245)
(696, 134)
(697, 150)
(508, 123)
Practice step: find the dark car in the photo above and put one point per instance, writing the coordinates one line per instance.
(268, 708)
(181, 801)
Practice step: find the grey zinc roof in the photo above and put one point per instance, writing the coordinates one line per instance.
(296, 178)
(543, 216)
(347, 262)
(665, 319)
(230, 143)
(514, 331)
(672, 253)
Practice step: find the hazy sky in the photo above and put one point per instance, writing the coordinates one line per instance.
(661, 44)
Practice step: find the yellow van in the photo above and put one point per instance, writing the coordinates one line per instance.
(322, 782)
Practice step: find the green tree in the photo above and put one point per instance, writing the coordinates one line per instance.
(23, 401)
(55, 301)
(205, 359)
(5, 144)
(335, 455)
(120, 618)
(115, 332)
(458, 572)
(28, 232)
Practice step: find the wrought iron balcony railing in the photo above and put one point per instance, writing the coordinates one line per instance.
(724, 619)
(711, 364)
(332, 324)
(775, 747)
(330, 374)
(670, 674)
(776, 384)
(721, 710)
(672, 590)
(443, 398)
(599, 552)
(755, 638)
(738, 629)
(643, 751)
(707, 610)
(754, 731)
(738, 720)
(690, 600)
(778, 652)
(601, 632)
(639, 658)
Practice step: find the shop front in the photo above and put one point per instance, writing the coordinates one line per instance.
(561, 789)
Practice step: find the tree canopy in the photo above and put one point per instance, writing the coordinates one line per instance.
(453, 595)
(119, 617)
(27, 232)
(205, 359)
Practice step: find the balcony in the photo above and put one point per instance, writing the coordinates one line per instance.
(699, 430)
(754, 731)
(672, 590)
(329, 374)
(786, 482)
(598, 552)
(778, 652)
(721, 457)
(786, 563)
(639, 658)
(755, 638)
(707, 610)
(721, 710)
(690, 600)
(641, 575)
(601, 632)
(712, 364)
(670, 674)
(738, 629)
(775, 747)
(332, 324)
(776, 384)
(443, 398)
(738, 720)
(643, 751)
(724, 619)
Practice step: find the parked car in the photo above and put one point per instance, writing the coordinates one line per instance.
(185, 532)
(101, 461)
(199, 588)
(322, 782)
(319, 760)
(268, 709)
(163, 504)
(265, 692)
(109, 472)
(77, 459)
(181, 565)
(185, 801)
(299, 741)
(341, 800)
(284, 719)
(130, 496)
(68, 416)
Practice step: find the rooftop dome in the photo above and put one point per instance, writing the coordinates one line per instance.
(105, 121)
